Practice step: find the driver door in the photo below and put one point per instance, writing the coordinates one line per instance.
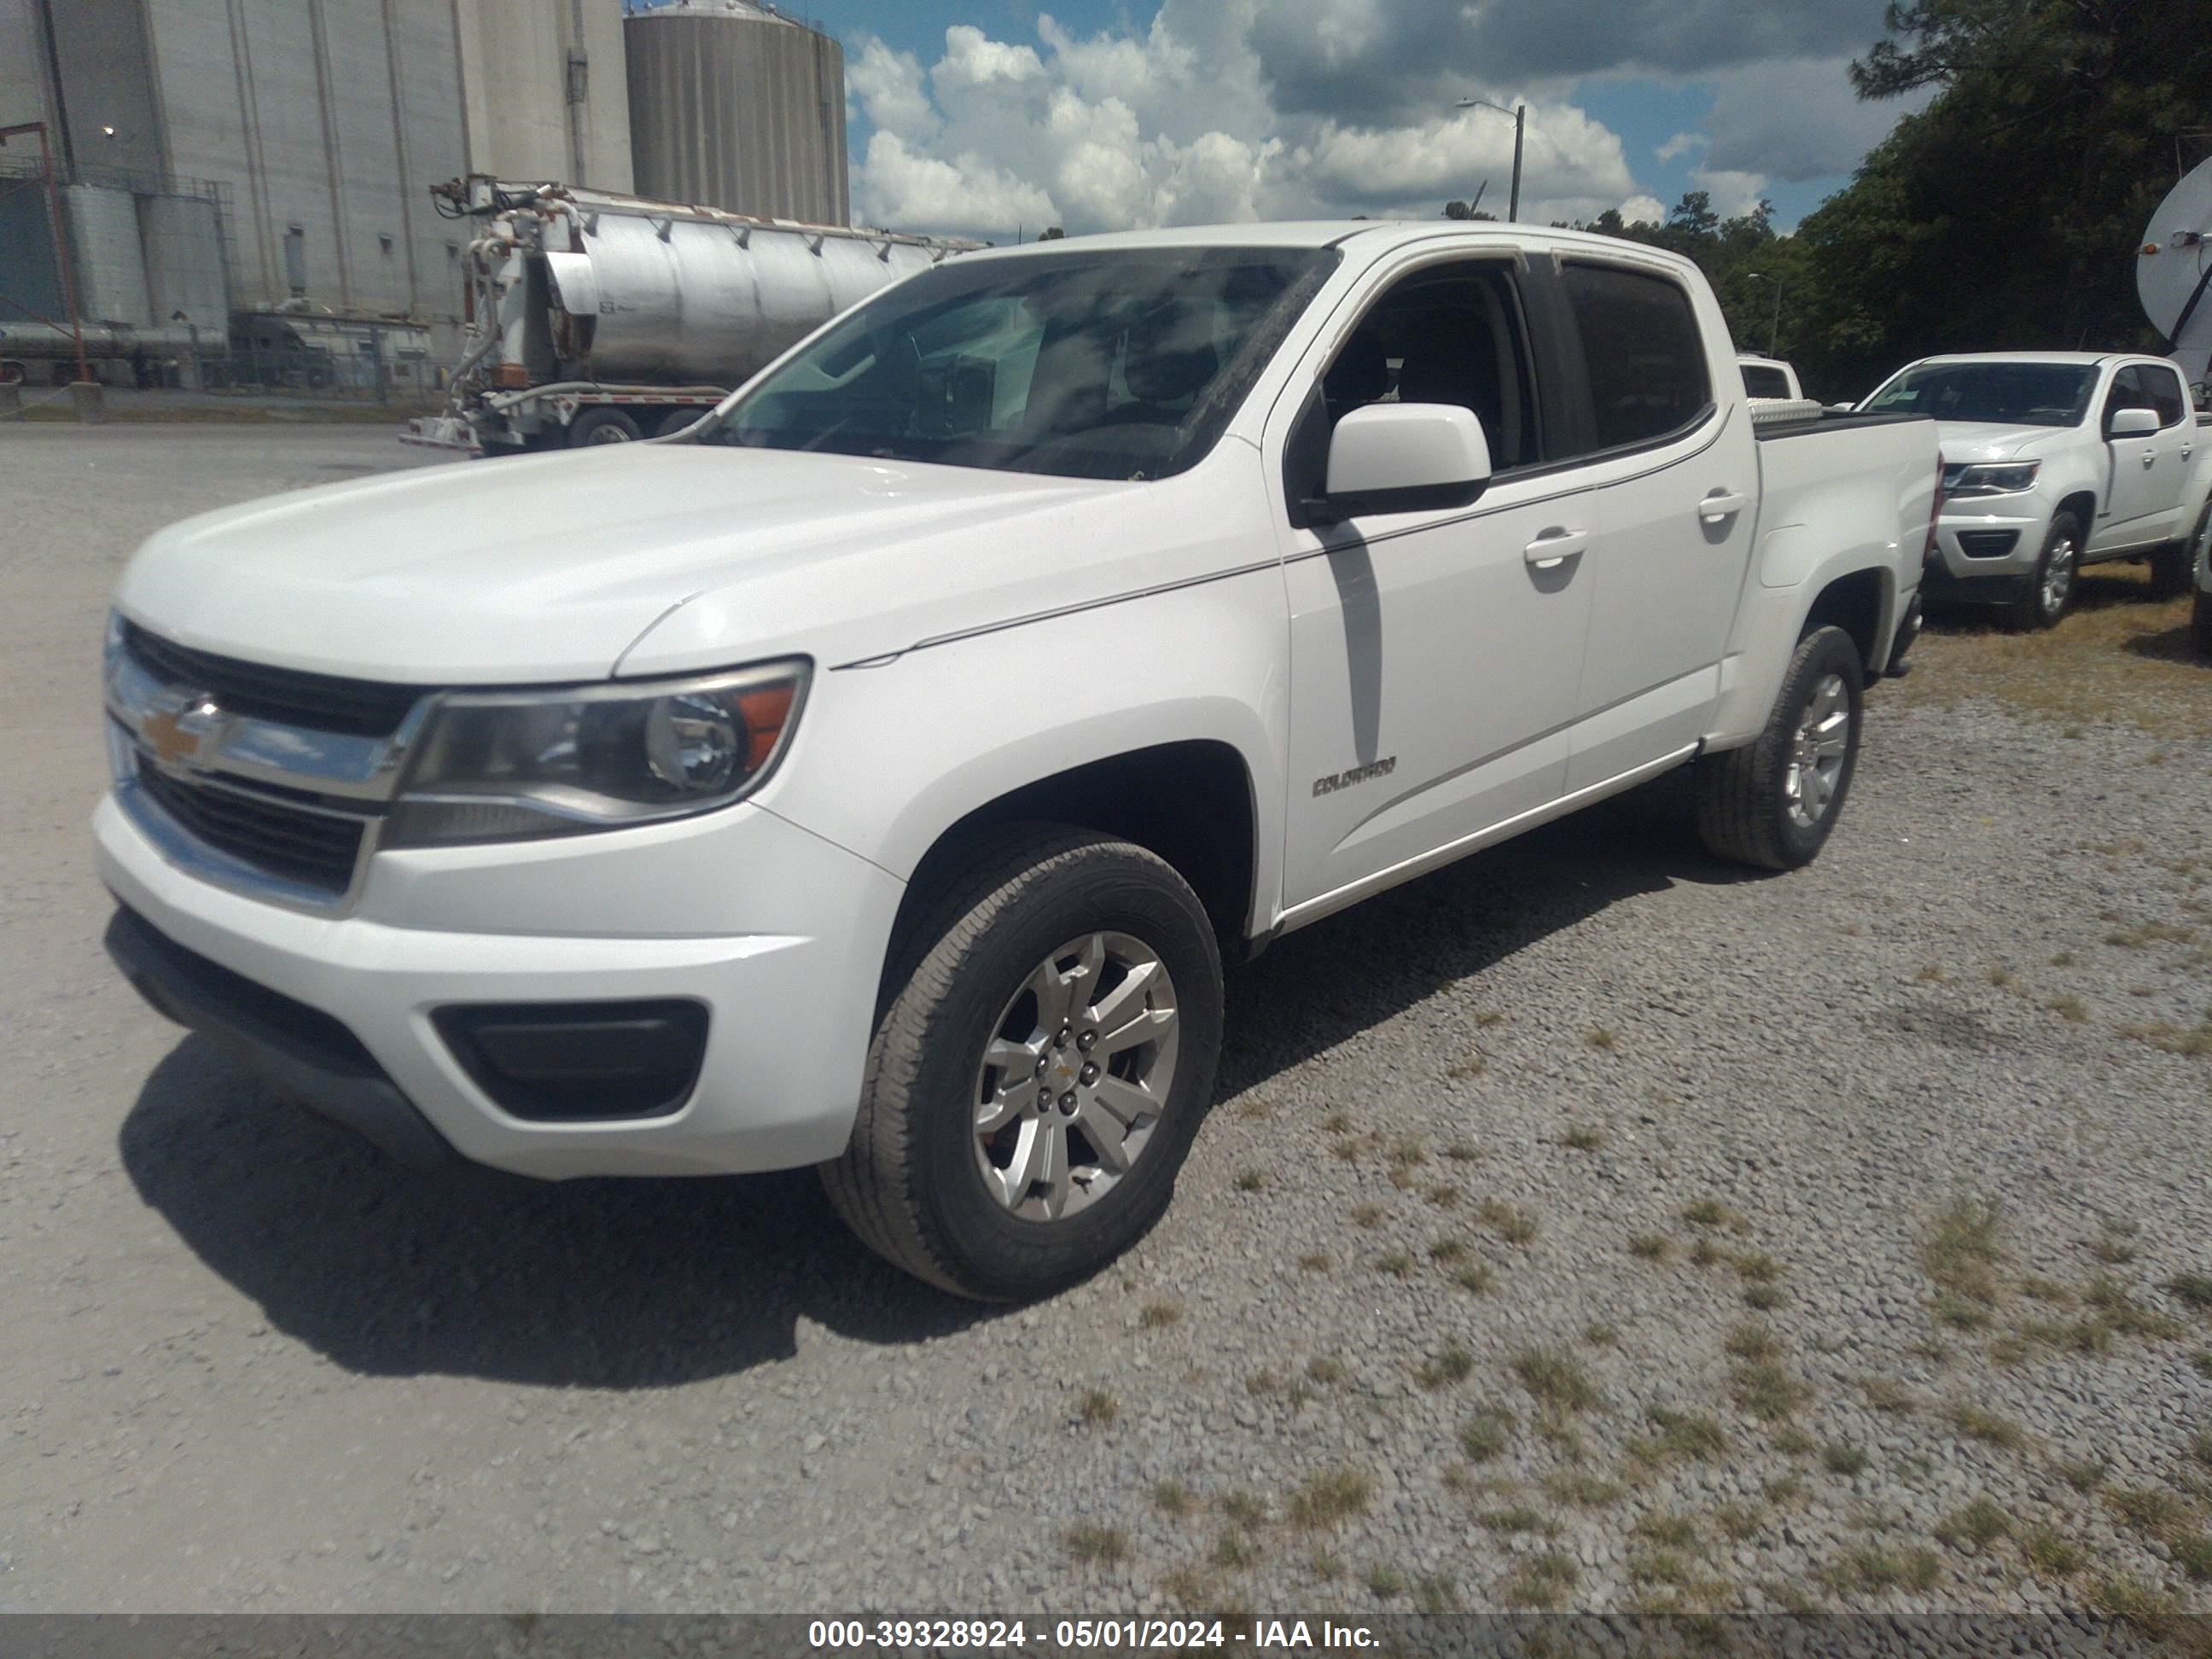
(2149, 474)
(1434, 656)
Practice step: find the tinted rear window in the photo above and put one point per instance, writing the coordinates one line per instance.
(1765, 382)
(1646, 359)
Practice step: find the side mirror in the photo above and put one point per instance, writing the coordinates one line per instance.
(2132, 424)
(1403, 458)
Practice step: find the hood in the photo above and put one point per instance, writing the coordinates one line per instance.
(1980, 440)
(549, 568)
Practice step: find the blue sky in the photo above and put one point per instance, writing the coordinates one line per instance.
(984, 116)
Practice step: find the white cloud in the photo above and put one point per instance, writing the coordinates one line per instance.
(1681, 144)
(1642, 210)
(1177, 125)
(1734, 194)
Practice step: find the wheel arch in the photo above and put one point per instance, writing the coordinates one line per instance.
(1193, 802)
(1863, 604)
(2082, 503)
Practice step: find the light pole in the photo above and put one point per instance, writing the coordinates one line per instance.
(1520, 115)
(1774, 333)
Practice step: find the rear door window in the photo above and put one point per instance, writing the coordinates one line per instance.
(1641, 351)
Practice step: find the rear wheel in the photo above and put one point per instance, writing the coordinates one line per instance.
(1043, 1066)
(2049, 593)
(1773, 804)
(677, 420)
(2200, 622)
(603, 426)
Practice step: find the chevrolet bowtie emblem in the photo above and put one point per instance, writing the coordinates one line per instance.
(177, 735)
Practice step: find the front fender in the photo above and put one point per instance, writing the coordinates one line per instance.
(892, 755)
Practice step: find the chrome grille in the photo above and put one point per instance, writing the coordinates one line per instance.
(320, 702)
(318, 849)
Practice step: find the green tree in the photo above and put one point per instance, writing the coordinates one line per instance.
(2004, 215)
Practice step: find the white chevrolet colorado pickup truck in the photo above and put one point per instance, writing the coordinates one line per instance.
(2055, 460)
(877, 776)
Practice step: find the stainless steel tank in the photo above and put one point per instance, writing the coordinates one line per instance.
(736, 107)
(639, 294)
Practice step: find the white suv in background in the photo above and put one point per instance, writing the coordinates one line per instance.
(2054, 460)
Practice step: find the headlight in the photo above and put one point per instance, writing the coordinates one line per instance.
(1992, 478)
(511, 765)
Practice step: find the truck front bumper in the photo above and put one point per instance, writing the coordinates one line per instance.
(485, 1003)
(1974, 549)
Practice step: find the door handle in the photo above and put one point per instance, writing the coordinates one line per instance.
(2150, 458)
(1554, 548)
(1721, 504)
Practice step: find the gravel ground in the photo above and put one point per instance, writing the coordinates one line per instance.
(1585, 1226)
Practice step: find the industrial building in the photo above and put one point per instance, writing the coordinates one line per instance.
(264, 166)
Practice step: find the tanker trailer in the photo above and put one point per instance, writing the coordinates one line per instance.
(596, 317)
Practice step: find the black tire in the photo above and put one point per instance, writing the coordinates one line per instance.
(678, 419)
(603, 426)
(909, 1183)
(2170, 568)
(2200, 622)
(2035, 607)
(1745, 811)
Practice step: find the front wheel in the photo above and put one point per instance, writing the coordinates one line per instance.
(603, 426)
(1041, 1067)
(2049, 593)
(1773, 804)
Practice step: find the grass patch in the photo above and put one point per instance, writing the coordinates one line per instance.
(1324, 1370)
(1330, 1498)
(1436, 1593)
(1885, 1393)
(1314, 1261)
(1581, 1137)
(1445, 1195)
(1765, 1391)
(1650, 1247)
(1406, 1153)
(1601, 1036)
(1250, 1180)
(1396, 1263)
(1869, 1567)
(2083, 1474)
(1462, 1152)
(2050, 1554)
(2070, 1008)
(1159, 1316)
(1384, 1582)
(1672, 1532)
(1556, 1380)
(1711, 1213)
(1448, 1250)
(1542, 1582)
(2193, 1290)
(1600, 1334)
(2134, 1601)
(1234, 1550)
(1757, 1267)
(1751, 1340)
(1513, 1225)
(2111, 662)
(2126, 1316)
(1338, 1123)
(1792, 1442)
(1263, 1381)
(1739, 1521)
(1584, 1490)
(1454, 1364)
(1979, 1524)
(1369, 1215)
(1841, 1460)
(1172, 1499)
(1961, 1251)
(1476, 1278)
(1678, 1435)
(1096, 1546)
(1097, 1408)
(1483, 1435)
(1515, 1518)
(1766, 1298)
(2152, 1510)
(1977, 1423)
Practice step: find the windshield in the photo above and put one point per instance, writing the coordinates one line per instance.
(1089, 365)
(2010, 394)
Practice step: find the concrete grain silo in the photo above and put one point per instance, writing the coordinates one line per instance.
(734, 105)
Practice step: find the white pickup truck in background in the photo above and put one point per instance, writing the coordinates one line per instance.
(1771, 379)
(2055, 460)
(878, 775)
